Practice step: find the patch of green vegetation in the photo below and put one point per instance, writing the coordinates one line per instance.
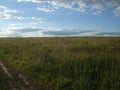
(66, 63)
(3, 81)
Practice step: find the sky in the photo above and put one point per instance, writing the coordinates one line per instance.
(58, 18)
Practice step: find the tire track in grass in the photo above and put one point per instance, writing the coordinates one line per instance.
(16, 85)
(5, 70)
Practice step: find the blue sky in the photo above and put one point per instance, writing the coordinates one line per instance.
(44, 18)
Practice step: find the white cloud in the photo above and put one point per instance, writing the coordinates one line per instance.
(6, 13)
(97, 12)
(5, 9)
(43, 9)
(34, 1)
(30, 18)
(31, 22)
(5, 33)
(38, 19)
(117, 11)
(49, 8)
(21, 18)
(16, 26)
(94, 6)
(23, 32)
(36, 23)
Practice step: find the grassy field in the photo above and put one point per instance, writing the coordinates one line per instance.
(65, 63)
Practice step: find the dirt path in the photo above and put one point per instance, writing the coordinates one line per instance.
(22, 84)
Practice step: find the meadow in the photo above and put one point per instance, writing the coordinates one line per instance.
(73, 63)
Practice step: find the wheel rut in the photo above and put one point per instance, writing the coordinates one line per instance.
(21, 84)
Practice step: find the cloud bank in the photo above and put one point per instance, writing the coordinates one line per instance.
(93, 6)
(34, 32)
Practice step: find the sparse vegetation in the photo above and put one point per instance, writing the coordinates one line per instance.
(65, 63)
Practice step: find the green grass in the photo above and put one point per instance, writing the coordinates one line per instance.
(3, 81)
(66, 63)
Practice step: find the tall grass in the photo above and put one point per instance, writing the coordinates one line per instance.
(66, 63)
